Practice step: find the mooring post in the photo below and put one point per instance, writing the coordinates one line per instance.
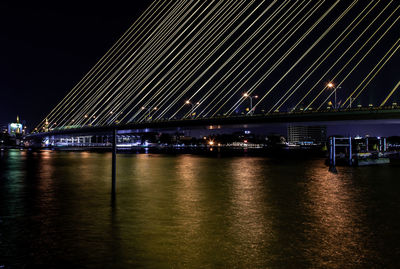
(114, 162)
(334, 152)
(332, 155)
(350, 152)
(330, 152)
(384, 144)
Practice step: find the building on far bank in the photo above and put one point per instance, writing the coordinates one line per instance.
(4, 129)
(15, 128)
(306, 135)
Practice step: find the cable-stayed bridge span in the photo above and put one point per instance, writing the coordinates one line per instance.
(204, 63)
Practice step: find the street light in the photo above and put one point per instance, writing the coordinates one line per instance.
(246, 95)
(148, 111)
(187, 102)
(351, 100)
(93, 119)
(191, 111)
(332, 86)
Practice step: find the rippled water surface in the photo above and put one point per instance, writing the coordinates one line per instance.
(189, 211)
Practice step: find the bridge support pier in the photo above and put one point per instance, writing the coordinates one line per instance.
(114, 163)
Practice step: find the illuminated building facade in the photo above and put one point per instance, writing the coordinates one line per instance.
(15, 128)
(306, 135)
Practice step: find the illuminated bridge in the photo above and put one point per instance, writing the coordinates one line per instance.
(209, 63)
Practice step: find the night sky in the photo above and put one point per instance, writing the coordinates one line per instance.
(47, 49)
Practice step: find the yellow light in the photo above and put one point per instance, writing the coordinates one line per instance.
(187, 102)
(245, 94)
(211, 142)
(86, 116)
(330, 85)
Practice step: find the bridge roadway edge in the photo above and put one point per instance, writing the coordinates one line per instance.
(296, 117)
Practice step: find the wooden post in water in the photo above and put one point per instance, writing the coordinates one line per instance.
(114, 163)
(332, 155)
(350, 153)
(330, 152)
(384, 144)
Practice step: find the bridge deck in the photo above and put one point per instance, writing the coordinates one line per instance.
(309, 116)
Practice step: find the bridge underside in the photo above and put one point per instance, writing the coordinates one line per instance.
(275, 118)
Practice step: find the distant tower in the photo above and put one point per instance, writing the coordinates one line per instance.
(15, 128)
(18, 129)
(46, 125)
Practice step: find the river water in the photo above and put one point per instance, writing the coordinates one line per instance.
(188, 211)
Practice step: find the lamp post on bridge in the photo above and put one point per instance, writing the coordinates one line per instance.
(351, 101)
(93, 119)
(148, 111)
(191, 111)
(246, 95)
(332, 86)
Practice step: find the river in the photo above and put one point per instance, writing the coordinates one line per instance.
(190, 211)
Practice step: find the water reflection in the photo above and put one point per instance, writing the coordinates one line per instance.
(191, 211)
(338, 229)
(251, 214)
(13, 209)
(188, 196)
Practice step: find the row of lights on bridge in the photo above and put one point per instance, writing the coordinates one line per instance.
(329, 85)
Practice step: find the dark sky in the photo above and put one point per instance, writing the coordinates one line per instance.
(46, 49)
